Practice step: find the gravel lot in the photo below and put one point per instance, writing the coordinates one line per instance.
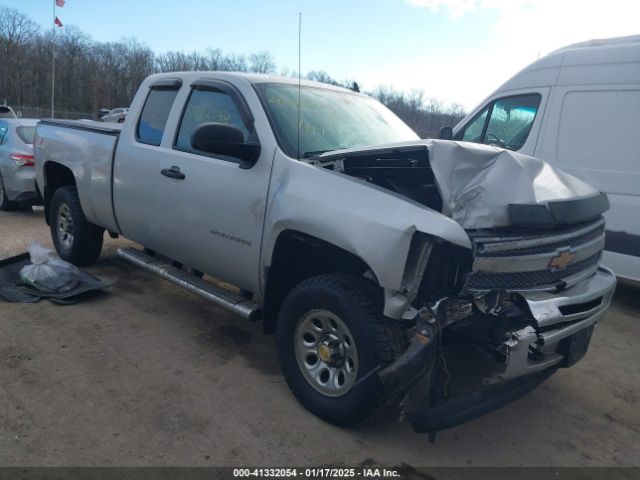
(148, 374)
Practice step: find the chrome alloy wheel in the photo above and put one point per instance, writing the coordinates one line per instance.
(326, 353)
(65, 226)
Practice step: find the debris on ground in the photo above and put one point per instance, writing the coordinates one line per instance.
(38, 274)
(48, 273)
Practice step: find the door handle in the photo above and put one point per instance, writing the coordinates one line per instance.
(173, 172)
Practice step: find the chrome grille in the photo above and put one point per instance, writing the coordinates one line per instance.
(551, 247)
(545, 261)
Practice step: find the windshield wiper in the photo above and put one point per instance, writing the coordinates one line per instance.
(317, 153)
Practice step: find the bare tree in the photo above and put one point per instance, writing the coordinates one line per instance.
(262, 62)
(91, 75)
(17, 30)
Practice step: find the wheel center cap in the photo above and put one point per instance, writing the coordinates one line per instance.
(324, 352)
(330, 350)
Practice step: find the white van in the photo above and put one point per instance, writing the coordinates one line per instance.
(579, 108)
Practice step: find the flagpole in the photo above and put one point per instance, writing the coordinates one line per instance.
(53, 64)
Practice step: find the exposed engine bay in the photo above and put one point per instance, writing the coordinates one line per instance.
(405, 171)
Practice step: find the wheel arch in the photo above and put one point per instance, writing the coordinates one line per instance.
(56, 175)
(297, 256)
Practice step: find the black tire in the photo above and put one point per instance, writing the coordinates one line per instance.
(6, 205)
(85, 245)
(358, 303)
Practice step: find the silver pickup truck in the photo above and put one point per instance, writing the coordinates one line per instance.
(435, 278)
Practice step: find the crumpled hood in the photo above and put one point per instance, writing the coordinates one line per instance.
(483, 186)
(477, 183)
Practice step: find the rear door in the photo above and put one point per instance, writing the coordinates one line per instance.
(213, 210)
(136, 173)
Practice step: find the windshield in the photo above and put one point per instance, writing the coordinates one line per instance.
(329, 119)
(26, 134)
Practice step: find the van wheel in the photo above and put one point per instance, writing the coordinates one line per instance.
(330, 334)
(6, 205)
(76, 240)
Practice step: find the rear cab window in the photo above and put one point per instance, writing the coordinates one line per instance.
(506, 122)
(155, 114)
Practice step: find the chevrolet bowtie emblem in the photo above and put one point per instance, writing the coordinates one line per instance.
(560, 261)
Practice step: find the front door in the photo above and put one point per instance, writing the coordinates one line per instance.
(212, 210)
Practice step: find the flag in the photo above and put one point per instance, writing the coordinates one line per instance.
(60, 3)
(57, 22)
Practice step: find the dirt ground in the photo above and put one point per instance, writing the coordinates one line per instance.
(148, 374)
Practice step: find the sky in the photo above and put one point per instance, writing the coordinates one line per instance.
(458, 51)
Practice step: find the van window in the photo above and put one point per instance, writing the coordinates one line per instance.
(205, 106)
(473, 131)
(505, 122)
(154, 115)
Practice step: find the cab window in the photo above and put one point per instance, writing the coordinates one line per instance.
(207, 106)
(505, 122)
(154, 115)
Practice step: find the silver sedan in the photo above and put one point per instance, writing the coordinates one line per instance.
(17, 175)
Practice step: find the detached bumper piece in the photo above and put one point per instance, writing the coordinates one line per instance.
(413, 365)
(462, 409)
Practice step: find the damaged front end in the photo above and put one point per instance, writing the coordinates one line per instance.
(491, 322)
(492, 329)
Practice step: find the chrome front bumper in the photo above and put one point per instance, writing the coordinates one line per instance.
(558, 316)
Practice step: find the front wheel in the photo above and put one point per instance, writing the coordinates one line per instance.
(330, 334)
(76, 240)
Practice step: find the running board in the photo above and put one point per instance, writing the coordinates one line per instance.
(218, 295)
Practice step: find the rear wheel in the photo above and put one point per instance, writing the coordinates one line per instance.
(330, 334)
(5, 204)
(76, 240)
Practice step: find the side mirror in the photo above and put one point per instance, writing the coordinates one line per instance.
(446, 133)
(221, 139)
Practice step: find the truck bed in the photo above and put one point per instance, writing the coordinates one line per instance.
(87, 148)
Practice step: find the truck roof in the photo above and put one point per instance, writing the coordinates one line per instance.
(253, 78)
